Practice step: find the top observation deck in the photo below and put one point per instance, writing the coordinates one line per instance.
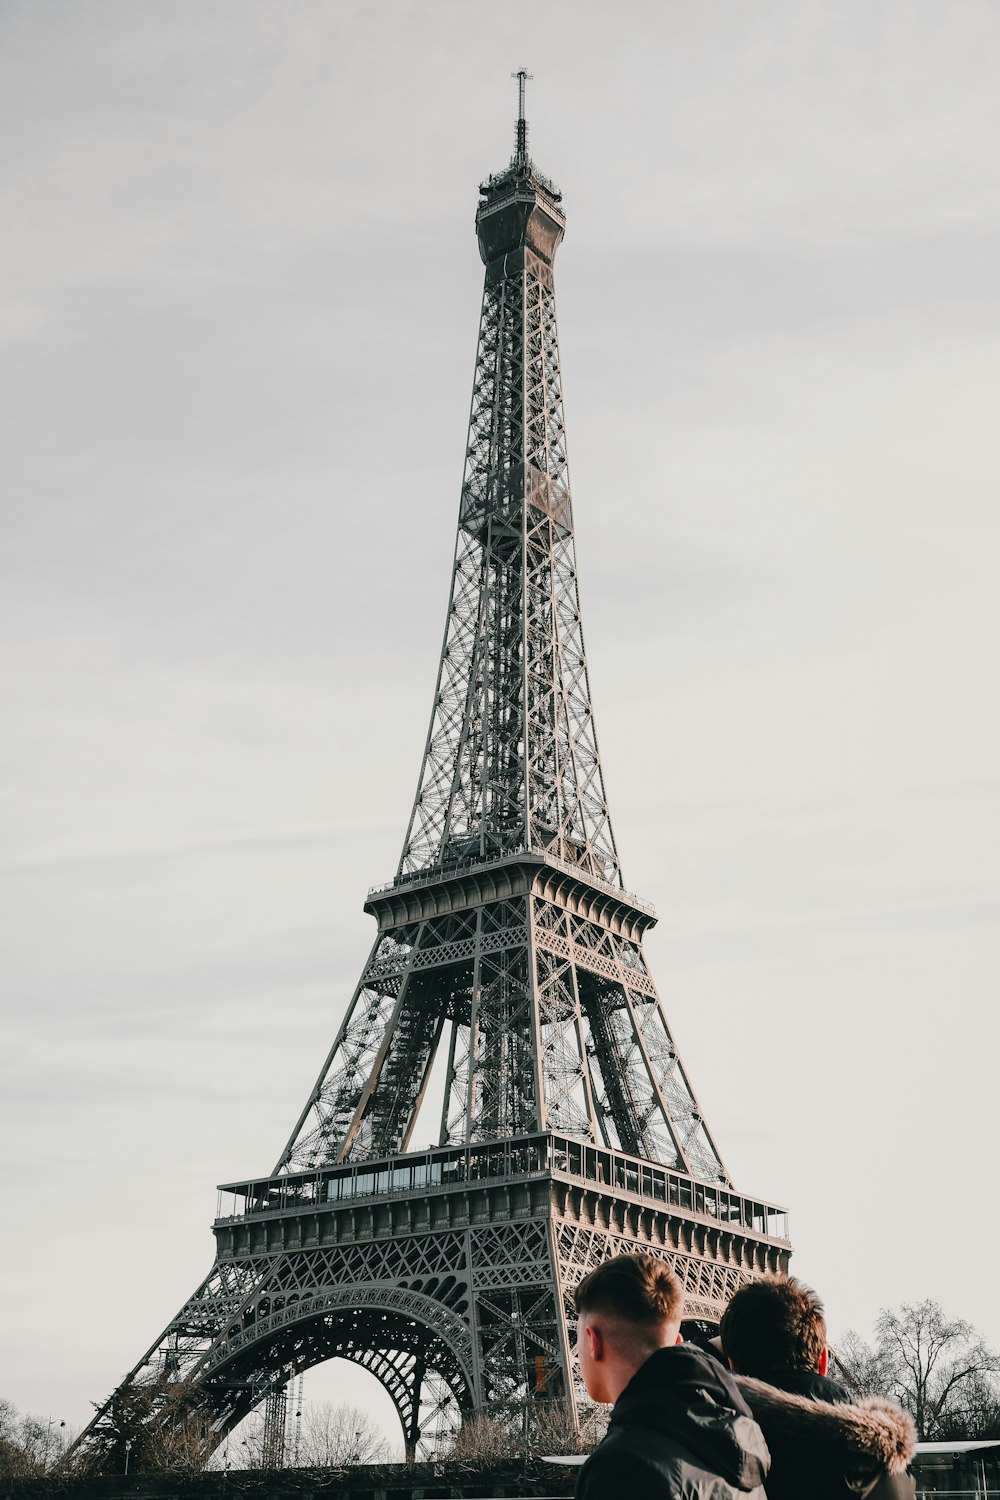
(520, 207)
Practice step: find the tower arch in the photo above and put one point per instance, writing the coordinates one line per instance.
(418, 1348)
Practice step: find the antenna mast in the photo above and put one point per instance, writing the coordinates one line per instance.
(521, 139)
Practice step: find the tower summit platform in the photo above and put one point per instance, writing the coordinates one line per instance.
(520, 208)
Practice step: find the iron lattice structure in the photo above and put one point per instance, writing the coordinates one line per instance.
(569, 1130)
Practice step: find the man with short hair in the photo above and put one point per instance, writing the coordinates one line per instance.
(679, 1427)
(824, 1445)
(775, 1330)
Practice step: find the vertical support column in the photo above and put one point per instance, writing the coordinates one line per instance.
(449, 1084)
(411, 1432)
(541, 1113)
(275, 1422)
(472, 1081)
(566, 1349)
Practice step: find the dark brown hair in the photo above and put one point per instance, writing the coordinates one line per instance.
(637, 1288)
(774, 1325)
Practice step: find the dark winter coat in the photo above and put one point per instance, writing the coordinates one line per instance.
(680, 1430)
(811, 1383)
(826, 1447)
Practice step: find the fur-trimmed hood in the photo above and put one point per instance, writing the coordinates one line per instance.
(870, 1433)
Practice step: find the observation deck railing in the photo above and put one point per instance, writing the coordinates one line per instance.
(502, 1162)
(448, 871)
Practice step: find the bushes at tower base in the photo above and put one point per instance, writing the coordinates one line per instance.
(493, 1438)
(151, 1428)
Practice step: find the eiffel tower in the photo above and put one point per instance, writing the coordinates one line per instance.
(508, 945)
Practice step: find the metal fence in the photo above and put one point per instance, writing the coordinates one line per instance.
(969, 1494)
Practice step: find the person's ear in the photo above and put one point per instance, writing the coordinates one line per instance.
(824, 1362)
(594, 1339)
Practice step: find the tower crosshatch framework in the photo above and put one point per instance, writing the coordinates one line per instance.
(508, 945)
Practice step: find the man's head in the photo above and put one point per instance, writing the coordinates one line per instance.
(628, 1308)
(774, 1326)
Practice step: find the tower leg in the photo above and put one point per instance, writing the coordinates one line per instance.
(411, 1433)
(275, 1423)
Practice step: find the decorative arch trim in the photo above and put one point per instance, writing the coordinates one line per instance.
(439, 1320)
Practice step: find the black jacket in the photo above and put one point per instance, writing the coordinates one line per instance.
(811, 1383)
(679, 1431)
(825, 1446)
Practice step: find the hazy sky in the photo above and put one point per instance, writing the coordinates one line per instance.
(240, 291)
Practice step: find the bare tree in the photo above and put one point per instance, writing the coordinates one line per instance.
(979, 1415)
(243, 1447)
(936, 1367)
(484, 1441)
(185, 1436)
(16, 1461)
(29, 1446)
(859, 1365)
(545, 1428)
(553, 1431)
(337, 1437)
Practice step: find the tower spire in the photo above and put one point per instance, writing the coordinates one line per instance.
(521, 135)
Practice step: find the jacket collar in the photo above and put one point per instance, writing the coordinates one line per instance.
(870, 1430)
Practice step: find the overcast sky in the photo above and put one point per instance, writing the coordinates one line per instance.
(240, 291)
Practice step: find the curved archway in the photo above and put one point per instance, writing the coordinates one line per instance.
(418, 1349)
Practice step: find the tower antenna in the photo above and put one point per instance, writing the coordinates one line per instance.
(521, 139)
